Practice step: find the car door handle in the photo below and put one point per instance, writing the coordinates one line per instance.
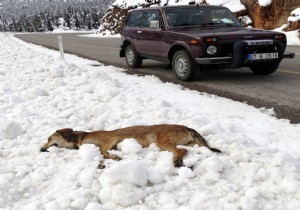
(138, 32)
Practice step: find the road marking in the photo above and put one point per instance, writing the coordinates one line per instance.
(289, 72)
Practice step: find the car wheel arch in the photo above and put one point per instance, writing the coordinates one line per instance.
(126, 43)
(179, 46)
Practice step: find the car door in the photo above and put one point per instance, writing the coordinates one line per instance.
(133, 24)
(149, 35)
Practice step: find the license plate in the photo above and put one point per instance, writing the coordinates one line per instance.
(262, 56)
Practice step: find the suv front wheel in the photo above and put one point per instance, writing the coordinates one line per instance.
(132, 58)
(183, 65)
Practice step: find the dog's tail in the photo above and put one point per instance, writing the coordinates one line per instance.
(201, 141)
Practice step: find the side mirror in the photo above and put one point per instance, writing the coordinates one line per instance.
(245, 21)
(154, 24)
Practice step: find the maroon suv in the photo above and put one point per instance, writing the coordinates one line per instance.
(191, 36)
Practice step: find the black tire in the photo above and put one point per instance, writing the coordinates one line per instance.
(133, 60)
(184, 67)
(265, 68)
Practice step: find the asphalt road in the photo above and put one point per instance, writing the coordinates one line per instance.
(280, 90)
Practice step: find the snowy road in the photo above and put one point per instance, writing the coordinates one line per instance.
(280, 90)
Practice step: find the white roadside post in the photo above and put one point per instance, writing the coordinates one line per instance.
(61, 48)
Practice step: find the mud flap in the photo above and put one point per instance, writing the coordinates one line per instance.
(122, 52)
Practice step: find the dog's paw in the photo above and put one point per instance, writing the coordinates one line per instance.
(101, 165)
(114, 157)
(44, 150)
(178, 163)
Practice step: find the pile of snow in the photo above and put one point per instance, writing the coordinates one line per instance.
(9, 129)
(295, 15)
(293, 37)
(264, 3)
(258, 168)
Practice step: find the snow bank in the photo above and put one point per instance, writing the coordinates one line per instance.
(293, 37)
(258, 169)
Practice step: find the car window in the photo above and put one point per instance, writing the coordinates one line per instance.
(200, 16)
(151, 19)
(135, 19)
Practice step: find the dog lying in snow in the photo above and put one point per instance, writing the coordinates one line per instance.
(166, 137)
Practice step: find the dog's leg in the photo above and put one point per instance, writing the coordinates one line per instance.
(164, 143)
(109, 146)
(103, 150)
(178, 154)
(106, 155)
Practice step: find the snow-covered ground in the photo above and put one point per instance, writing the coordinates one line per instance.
(258, 169)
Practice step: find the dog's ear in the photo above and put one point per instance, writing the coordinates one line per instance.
(65, 132)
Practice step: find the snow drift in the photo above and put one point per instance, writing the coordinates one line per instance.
(39, 93)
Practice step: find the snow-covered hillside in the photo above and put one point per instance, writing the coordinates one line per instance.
(42, 16)
(258, 169)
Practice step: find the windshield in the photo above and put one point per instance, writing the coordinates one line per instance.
(200, 16)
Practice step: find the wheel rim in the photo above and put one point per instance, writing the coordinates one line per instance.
(130, 56)
(181, 66)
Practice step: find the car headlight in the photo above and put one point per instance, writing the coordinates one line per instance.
(211, 50)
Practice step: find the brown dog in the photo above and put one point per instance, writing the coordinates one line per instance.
(166, 137)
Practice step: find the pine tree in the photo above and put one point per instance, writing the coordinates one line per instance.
(49, 25)
(77, 24)
(14, 24)
(41, 15)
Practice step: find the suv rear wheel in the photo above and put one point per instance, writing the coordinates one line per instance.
(265, 68)
(132, 58)
(183, 65)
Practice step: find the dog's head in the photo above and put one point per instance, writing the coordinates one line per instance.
(64, 138)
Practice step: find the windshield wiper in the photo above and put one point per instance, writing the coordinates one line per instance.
(183, 24)
(221, 22)
(189, 24)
